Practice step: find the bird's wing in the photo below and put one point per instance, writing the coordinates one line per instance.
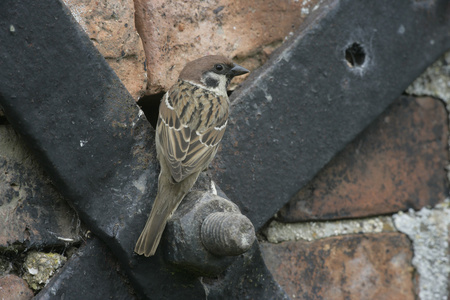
(188, 130)
(174, 135)
(203, 147)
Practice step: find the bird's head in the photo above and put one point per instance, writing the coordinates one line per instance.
(213, 72)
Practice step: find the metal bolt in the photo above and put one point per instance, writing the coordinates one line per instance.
(206, 232)
(227, 234)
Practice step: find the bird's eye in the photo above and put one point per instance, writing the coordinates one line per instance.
(219, 67)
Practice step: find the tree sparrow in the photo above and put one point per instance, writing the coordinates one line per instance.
(193, 116)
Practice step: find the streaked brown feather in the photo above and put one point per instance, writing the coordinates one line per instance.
(190, 146)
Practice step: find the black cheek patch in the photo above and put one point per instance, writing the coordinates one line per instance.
(211, 82)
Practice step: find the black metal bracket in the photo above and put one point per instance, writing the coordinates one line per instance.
(323, 87)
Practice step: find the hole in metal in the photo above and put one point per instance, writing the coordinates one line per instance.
(355, 55)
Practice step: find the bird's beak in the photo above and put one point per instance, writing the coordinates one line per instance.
(238, 70)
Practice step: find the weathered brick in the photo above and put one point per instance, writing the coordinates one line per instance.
(110, 26)
(397, 163)
(373, 266)
(174, 32)
(13, 287)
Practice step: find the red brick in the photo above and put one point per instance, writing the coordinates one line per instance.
(396, 164)
(374, 266)
(110, 26)
(13, 287)
(175, 32)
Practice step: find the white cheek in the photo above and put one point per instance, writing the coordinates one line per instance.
(223, 83)
(221, 88)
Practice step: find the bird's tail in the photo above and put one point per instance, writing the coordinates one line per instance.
(167, 200)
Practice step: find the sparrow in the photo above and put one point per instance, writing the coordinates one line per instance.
(193, 116)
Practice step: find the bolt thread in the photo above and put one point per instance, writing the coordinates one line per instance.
(227, 234)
